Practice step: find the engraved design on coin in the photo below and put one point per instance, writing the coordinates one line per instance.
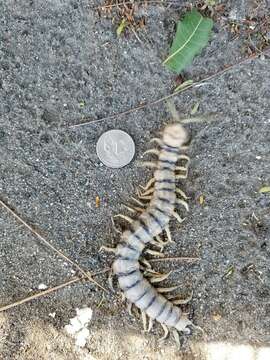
(115, 148)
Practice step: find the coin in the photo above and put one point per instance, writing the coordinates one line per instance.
(115, 148)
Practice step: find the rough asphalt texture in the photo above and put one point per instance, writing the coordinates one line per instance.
(61, 62)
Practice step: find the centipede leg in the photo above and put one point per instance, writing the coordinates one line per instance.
(154, 253)
(149, 184)
(180, 168)
(157, 140)
(181, 176)
(158, 244)
(168, 233)
(166, 332)
(176, 338)
(129, 308)
(125, 217)
(114, 227)
(146, 263)
(138, 202)
(196, 327)
(149, 272)
(150, 325)
(184, 157)
(147, 164)
(168, 289)
(181, 192)
(144, 320)
(147, 192)
(134, 209)
(107, 248)
(159, 278)
(162, 243)
(181, 301)
(178, 217)
(182, 202)
(148, 197)
(152, 151)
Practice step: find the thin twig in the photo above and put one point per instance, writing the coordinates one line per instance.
(60, 253)
(179, 258)
(167, 97)
(48, 291)
(101, 7)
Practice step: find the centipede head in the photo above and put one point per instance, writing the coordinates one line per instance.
(175, 135)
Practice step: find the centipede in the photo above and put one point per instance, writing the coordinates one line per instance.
(157, 205)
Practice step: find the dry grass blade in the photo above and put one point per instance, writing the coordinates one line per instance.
(143, 2)
(48, 244)
(179, 258)
(46, 292)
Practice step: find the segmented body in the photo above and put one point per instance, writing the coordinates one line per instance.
(149, 224)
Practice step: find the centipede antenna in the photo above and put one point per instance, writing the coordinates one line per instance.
(172, 109)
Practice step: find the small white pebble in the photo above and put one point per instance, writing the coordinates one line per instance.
(77, 326)
(42, 287)
(258, 157)
(52, 315)
(81, 337)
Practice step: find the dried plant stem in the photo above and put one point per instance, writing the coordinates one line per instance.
(48, 244)
(48, 291)
(187, 259)
(167, 97)
(144, 2)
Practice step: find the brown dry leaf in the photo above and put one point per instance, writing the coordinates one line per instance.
(264, 189)
(97, 201)
(201, 199)
(216, 316)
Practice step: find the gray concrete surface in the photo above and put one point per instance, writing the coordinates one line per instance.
(56, 56)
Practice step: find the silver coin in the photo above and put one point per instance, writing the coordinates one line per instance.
(115, 148)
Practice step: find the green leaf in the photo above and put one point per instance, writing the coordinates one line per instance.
(195, 108)
(191, 37)
(121, 27)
